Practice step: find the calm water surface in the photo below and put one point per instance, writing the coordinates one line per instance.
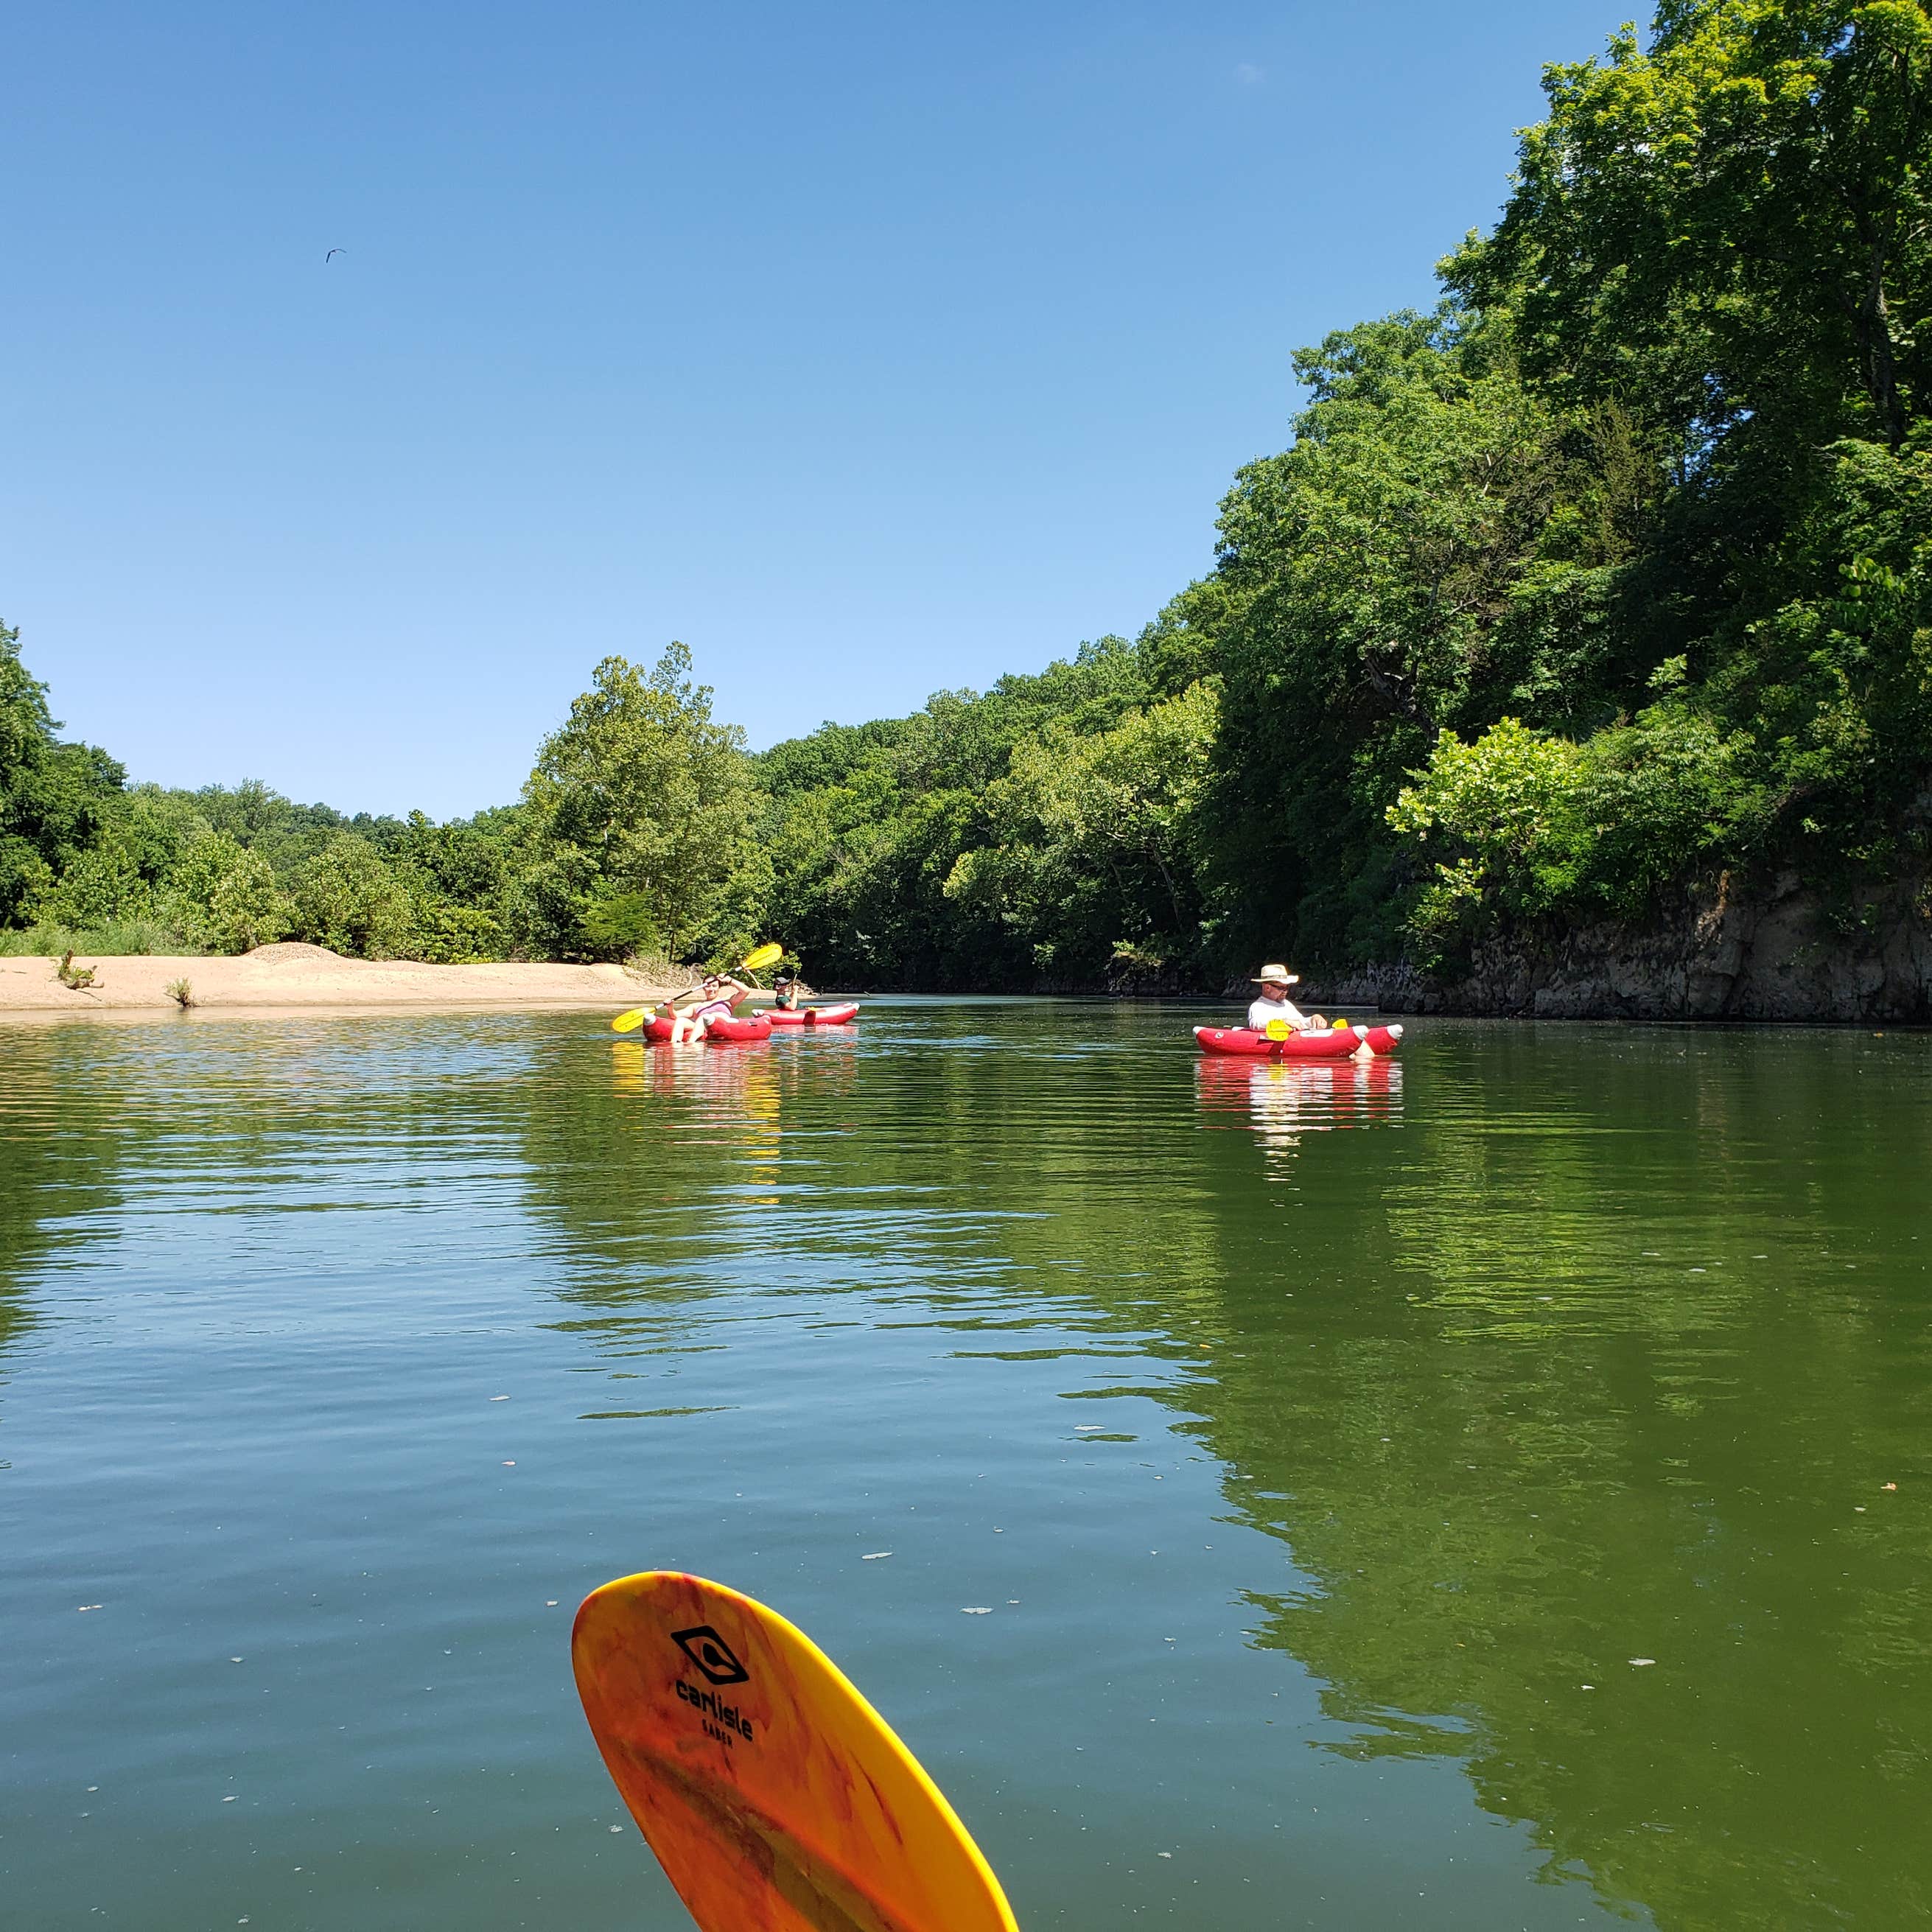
(1454, 1494)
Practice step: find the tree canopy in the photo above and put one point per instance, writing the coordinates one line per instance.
(56, 798)
(1606, 576)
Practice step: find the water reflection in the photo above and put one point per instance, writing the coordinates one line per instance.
(1581, 1428)
(1610, 1354)
(58, 1104)
(1285, 1099)
(1608, 1359)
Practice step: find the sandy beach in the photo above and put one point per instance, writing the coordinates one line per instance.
(290, 974)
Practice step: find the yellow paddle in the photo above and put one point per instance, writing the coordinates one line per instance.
(775, 1798)
(1281, 1030)
(767, 955)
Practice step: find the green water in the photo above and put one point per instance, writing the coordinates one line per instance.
(1323, 1444)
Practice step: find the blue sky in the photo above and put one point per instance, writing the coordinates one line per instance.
(868, 349)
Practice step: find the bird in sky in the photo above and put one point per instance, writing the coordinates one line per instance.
(332, 253)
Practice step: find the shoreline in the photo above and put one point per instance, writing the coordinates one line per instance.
(290, 974)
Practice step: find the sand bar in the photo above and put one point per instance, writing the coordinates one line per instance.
(291, 974)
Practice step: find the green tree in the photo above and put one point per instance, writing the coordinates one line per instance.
(448, 934)
(1669, 428)
(121, 875)
(1092, 849)
(98, 886)
(1431, 550)
(1726, 232)
(643, 794)
(285, 833)
(347, 898)
(55, 796)
(224, 896)
(459, 876)
(1525, 824)
(1735, 219)
(833, 848)
(869, 830)
(1512, 808)
(622, 923)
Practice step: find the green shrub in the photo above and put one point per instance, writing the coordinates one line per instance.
(1666, 793)
(1509, 816)
(347, 898)
(223, 896)
(1524, 824)
(457, 935)
(101, 886)
(617, 924)
(119, 938)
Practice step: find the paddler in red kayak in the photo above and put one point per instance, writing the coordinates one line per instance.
(711, 999)
(1274, 1004)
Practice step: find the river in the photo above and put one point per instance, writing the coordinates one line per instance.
(1488, 1489)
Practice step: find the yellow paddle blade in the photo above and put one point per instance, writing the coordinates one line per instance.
(1341, 1026)
(765, 955)
(1277, 1029)
(775, 1798)
(630, 1022)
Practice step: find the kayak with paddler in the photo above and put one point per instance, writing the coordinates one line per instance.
(706, 1012)
(1277, 1029)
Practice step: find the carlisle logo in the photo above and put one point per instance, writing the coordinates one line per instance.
(711, 1654)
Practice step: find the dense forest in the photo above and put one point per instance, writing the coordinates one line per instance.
(1611, 574)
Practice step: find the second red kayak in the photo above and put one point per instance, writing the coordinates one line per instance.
(719, 1032)
(1336, 1043)
(806, 1016)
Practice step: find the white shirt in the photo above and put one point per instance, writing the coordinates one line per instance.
(1264, 1010)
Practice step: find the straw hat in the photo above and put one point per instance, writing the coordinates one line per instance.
(1280, 975)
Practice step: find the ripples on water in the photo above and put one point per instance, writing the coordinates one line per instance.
(1325, 1441)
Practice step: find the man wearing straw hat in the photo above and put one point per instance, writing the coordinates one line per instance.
(1274, 1004)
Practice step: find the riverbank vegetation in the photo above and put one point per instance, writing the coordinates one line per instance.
(1608, 574)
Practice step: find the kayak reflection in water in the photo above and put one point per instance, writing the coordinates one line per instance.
(1284, 1100)
(711, 999)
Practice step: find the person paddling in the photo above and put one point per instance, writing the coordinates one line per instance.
(1274, 1004)
(784, 992)
(711, 999)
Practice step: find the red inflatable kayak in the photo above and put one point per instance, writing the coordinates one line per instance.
(806, 1016)
(720, 1032)
(1336, 1043)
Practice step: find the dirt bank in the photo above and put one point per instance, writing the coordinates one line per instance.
(294, 975)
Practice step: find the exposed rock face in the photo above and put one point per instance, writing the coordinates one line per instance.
(1779, 954)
